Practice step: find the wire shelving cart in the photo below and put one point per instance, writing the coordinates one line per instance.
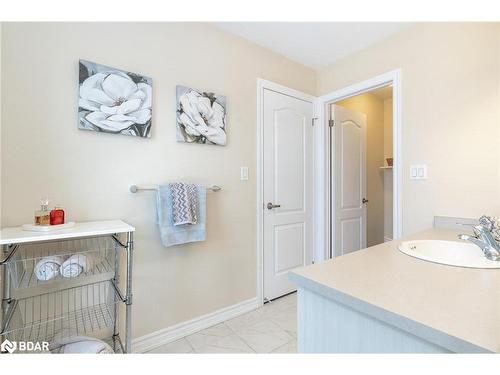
(67, 283)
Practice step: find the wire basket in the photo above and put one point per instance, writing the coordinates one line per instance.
(87, 310)
(41, 264)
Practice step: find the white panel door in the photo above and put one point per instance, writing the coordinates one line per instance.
(349, 180)
(288, 194)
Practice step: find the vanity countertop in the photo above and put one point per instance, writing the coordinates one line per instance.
(458, 308)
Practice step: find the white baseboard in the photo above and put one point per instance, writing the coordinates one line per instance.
(166, 335)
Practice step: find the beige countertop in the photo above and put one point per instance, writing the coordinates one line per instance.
(451, 306)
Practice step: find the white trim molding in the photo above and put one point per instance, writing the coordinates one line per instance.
(167, 335)
(323, 238)
(262, 85)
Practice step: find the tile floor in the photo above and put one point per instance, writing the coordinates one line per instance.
(269, 329)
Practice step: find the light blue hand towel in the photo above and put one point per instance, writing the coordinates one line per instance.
(179, 234)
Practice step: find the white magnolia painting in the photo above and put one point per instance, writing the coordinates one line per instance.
(201, 117)
(114, 101)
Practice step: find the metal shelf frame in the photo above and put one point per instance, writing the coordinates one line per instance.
(28, 318)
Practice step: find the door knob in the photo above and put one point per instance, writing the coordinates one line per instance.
(364, 200)
(270, 206)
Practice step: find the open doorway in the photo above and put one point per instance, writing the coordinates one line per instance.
(361, 178)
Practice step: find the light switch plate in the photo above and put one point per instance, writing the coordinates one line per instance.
(244, 173)
(418, 172)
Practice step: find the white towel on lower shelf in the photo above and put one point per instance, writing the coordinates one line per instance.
(80, 345)
(48, 267)
(77, 264)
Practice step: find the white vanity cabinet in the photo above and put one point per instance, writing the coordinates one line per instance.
(380, 300)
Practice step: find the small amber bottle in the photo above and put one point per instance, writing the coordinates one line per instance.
(57, 216)
(42, 216)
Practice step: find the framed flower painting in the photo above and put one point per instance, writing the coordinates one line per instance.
(201, 117)
(114, 101)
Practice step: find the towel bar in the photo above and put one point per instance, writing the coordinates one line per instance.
(135, 188)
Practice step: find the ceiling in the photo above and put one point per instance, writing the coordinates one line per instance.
(314, 44)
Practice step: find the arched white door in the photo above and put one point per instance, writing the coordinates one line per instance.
(288, 189)
(349, 180)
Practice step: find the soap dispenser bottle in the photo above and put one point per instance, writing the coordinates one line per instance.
(42, 216)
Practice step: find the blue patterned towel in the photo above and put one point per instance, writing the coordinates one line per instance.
(184, 203)
(179, 234)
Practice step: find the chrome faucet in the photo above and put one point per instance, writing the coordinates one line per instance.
(484, 239)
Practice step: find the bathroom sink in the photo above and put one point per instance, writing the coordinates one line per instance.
(459, 254)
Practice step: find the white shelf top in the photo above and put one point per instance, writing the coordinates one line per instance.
(16, 235)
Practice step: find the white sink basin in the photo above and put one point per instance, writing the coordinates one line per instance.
(459, 254)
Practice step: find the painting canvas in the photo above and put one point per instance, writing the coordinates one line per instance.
(201, 117)
(114, 101)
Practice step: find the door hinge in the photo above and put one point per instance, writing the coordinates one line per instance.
(331, 123)
(312, 120)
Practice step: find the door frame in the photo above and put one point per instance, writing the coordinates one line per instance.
(262, 85)
(324, 237)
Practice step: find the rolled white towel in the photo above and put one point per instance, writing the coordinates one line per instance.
(80, 345)
(48, 267)
(76, 264)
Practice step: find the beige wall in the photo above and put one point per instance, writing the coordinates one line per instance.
(450, 116)
(89, 173)
(387, 129)
(373, 107)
